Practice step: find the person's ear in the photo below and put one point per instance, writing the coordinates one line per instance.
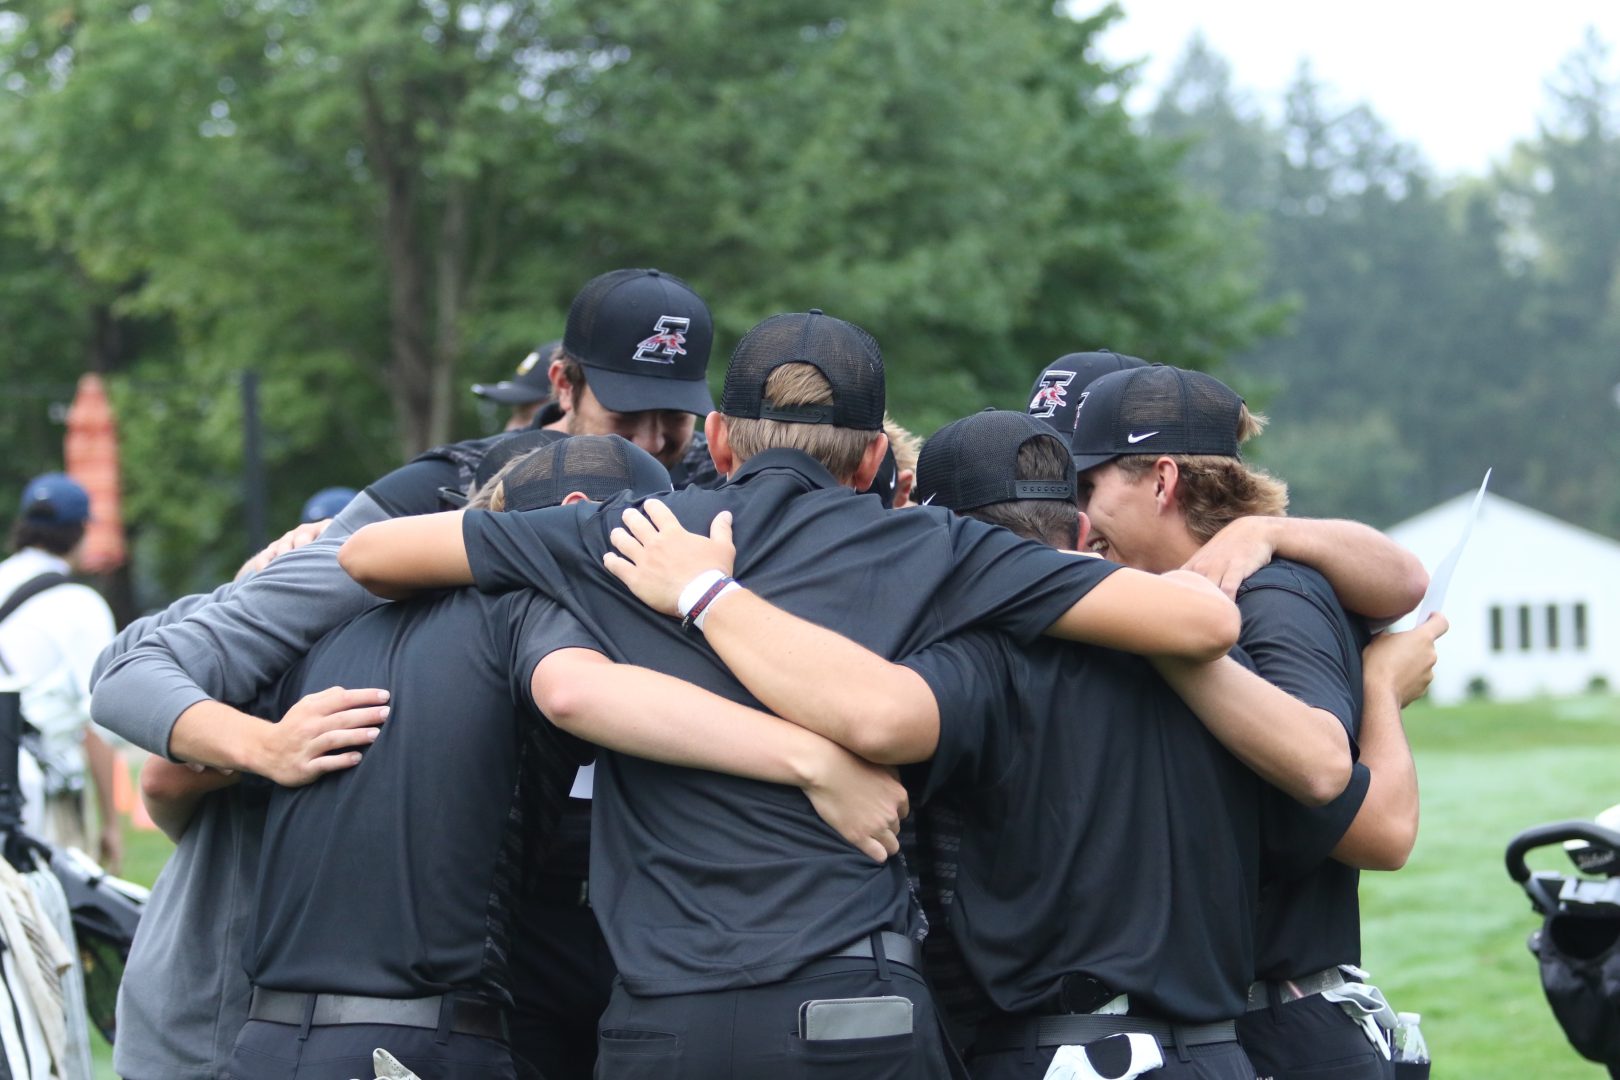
(902, 487)
(718, 433)
(871, 462)
(562, 391)
(574, 497)
(1166, 479)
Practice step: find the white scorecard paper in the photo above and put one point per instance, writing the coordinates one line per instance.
(1435, 598)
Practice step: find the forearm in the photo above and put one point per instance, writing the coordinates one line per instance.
(215, 734)
(1371, 574)
(1303, 751)
(400, 557)
(171, 793)
(1177, 614)
(639, 712)
(1385, 829)
(823, 681)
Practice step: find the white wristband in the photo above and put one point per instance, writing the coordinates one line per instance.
(731, 586)
(695, 589)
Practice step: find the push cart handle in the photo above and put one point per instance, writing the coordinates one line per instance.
(1555, 833)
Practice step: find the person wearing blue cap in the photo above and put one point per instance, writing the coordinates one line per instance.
(326, 503)
(50, 633)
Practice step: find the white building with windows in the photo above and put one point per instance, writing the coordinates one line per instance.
(1534, 604)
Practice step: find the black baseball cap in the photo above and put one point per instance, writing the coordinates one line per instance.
(1156, 410)
(1061, 384)
(529, 384)
(847, 355)
(509, 446)
(886, 481)
(599, 465)
(643, 337)
(973, 462)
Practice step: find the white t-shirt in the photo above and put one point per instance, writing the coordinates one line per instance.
(49, 645)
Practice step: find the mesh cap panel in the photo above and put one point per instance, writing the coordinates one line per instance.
(510, 447)
(847, 355)
(599, 465)
(1156, 410)
(973, 462)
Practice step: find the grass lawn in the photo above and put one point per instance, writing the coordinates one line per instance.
(1445, 936)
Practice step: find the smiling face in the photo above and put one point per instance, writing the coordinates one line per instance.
(1130, 524)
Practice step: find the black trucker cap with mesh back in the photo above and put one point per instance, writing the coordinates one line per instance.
(599, 465)
(847, 355)
(1060, 385)
(643, 337)
(1156, 410)
(973, 462)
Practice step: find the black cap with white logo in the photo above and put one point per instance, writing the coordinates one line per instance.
(973, 462)
(531, 382)
(1059, 387)
(1156, 410)
(643, 337)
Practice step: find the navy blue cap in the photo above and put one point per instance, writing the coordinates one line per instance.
(531, 382)
(326, 503)
(55, 499)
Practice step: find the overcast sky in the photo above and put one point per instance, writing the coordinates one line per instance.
(1462, 80)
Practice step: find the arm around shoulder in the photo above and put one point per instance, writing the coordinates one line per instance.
(1177, 614)
(397, 558)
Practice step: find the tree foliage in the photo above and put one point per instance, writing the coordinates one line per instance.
(375, 203)
(1436, 329)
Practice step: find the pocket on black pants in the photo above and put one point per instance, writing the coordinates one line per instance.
(883, 1057)
(630, 1054)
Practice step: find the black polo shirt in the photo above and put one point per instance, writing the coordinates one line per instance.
(1301, 639)
(395, 878)
(705, 881)
(1103, 830)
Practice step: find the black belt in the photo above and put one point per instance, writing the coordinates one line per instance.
(1287, 990)
(1080, 1028)
(896, 947)
(331, 1010)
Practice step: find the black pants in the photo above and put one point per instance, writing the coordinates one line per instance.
(562, 975)
(752, 1033)
(1310, 1038)
(1216, 1061)
(266, 1051)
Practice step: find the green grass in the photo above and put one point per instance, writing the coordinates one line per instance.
(1445, 936)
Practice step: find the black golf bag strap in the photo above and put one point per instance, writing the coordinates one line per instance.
(26, 592)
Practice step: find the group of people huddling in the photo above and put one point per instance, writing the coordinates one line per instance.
(778, 750)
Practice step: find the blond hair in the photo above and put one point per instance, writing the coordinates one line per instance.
(838, 449)
(1213, 491)
(906, 446)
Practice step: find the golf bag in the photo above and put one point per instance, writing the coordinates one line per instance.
(1578, 944)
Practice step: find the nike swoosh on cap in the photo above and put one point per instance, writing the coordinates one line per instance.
(1134, 439)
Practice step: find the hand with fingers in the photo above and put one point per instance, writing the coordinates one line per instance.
(864, 803)
(656, 556)
(324, 732)
(291, 540)
(1237, 551)
(1404, 661)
